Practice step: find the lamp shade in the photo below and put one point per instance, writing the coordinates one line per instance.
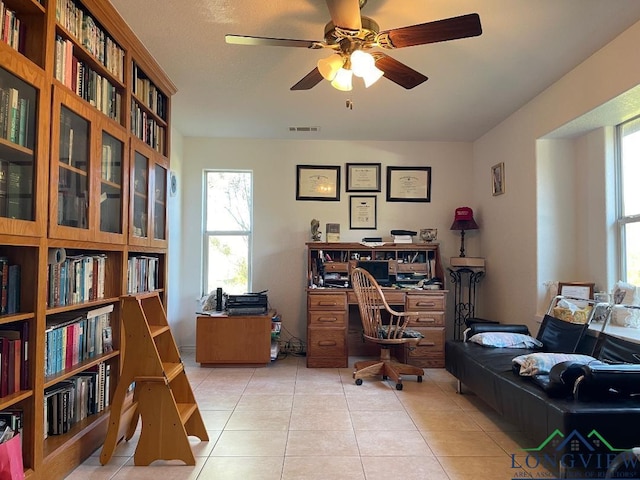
(463, 219)
(329, 66)
(342, 80)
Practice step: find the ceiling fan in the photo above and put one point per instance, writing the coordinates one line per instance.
(351, 36)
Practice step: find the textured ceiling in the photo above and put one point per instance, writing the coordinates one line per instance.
(243, 91)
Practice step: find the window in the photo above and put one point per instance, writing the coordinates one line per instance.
(228, 231)
(629, 200)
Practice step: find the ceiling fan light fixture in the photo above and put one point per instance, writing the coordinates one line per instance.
(343, 80)
(330, 66)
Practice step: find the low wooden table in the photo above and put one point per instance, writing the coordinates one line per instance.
(228, 340)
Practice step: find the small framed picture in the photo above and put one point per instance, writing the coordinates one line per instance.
(363, 177)
(362, 212)
(318, 182)
(497, 179)
(408, 184)
(577, 290)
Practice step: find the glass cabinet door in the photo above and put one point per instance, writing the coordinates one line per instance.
(140, 218)
(73, 165)
(160, 203)
(111, 184)
(17, 150)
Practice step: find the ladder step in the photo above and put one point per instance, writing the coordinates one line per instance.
(186, 410)
(158, 329)
(172, 370)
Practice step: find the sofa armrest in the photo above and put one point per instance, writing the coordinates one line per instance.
(603, 379)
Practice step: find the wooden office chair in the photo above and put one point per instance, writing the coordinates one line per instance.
(384, 326)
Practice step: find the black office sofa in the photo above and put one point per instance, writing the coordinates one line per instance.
(603, 422)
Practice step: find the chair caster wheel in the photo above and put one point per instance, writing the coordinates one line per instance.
(358, 381)
(398, 386)
(419, 378)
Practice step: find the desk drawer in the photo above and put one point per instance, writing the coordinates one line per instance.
(327, 342)
(327, 319)
(425, 302)
(433, 341)
(336, 267)
(428, 319)
(328, 301)
(411, 267)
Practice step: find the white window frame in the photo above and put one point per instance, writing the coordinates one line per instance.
(210, 233)
(622, 220)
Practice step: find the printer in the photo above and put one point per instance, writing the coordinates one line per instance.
(247, 304)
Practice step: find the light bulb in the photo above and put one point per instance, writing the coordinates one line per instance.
(372, 76)
(361, 63)
(329, 66)
(342, 80)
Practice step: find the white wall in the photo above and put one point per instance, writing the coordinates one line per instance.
(511, 240)
(282, 224)
(175, 229)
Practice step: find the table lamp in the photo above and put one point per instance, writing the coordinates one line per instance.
(462, 221)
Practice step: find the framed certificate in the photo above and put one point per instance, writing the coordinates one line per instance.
(317, 182)
(408, 184)
(362, 212)
(363, 177)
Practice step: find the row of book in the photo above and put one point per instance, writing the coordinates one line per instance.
(12, 29)
(78, 76)
(14, 358)
(147, 129)
(73, 337)
(91, 36)
(11, 419)
(147, 93)
(15, 115)
(142, 274)
(76, 279)
(73, 400)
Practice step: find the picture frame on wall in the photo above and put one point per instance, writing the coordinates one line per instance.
(408, 184)
(363, 177)
(497, 179)
(363, 212)
(318, 182)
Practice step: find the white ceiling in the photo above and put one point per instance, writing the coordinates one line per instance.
(243, 91)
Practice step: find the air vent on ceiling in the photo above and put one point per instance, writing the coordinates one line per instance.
(304, 129)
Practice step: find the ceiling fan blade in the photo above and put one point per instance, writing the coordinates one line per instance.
(398, 72)
(345, 14)
(432, 32)
(271, 42)
(309, 81)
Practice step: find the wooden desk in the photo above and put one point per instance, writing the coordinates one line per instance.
(334, 327)
(226, 340)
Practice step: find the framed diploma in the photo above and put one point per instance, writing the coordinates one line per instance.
(363, 177)
(316, 182)
(362, 212)
(408, 184)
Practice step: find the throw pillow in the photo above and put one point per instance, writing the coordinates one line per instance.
(542, 362)
(505, 340)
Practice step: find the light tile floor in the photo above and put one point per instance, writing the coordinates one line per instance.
(289, 422)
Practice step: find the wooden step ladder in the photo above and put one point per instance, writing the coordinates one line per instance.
(162, 395)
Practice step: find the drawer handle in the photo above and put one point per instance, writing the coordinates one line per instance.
(427, 344)
(426, 304)
(327, 343)
(426, 320)
(327, 304)
(327, 319)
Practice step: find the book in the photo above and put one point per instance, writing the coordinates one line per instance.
(13, 289)
(19, 331)
(4, 175)
(4, 285)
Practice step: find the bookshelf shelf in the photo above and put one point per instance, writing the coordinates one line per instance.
(66, 182)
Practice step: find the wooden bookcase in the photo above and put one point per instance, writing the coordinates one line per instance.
(76, 110)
